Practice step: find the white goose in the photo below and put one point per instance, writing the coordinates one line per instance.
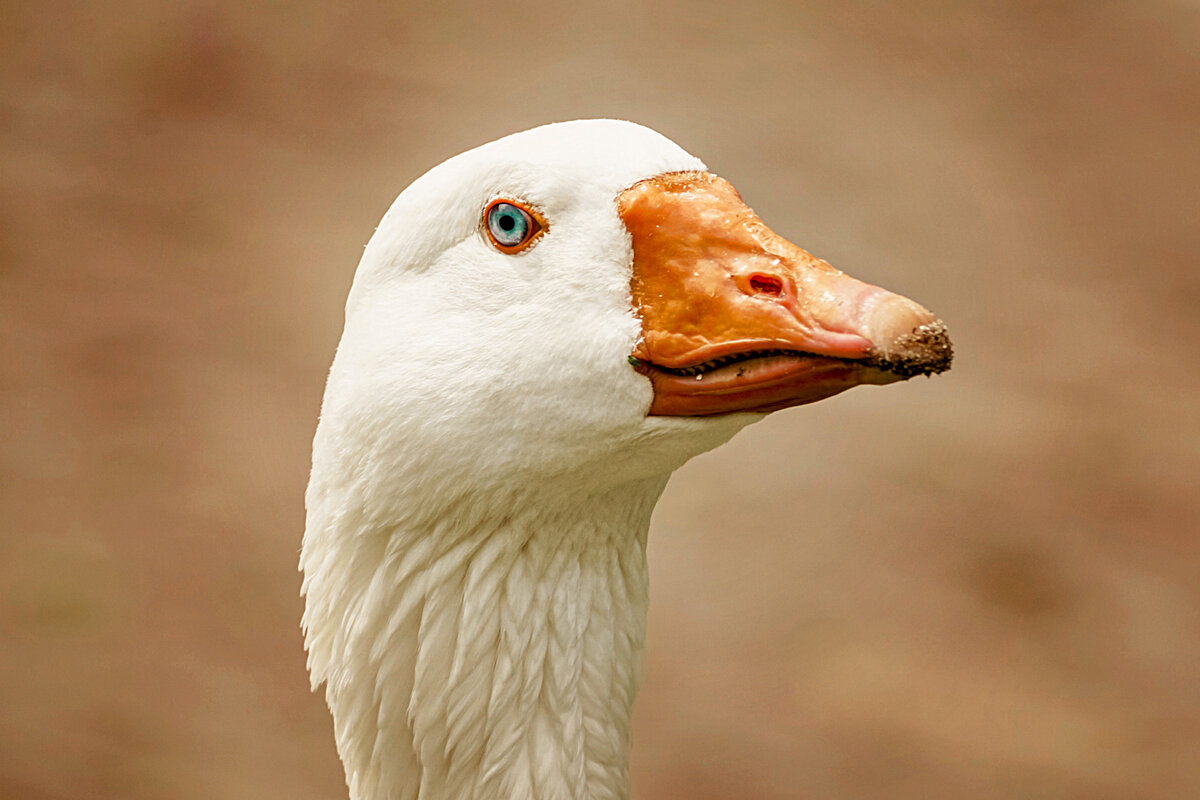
(540, 331)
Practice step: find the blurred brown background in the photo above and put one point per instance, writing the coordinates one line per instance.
(985, 585)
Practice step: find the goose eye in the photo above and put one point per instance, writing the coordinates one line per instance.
(511, 226)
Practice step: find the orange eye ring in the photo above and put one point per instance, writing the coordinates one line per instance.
(512, 226)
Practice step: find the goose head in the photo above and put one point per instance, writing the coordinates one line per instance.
(648, 316)
(539, 332)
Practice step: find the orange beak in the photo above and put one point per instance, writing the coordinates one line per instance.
(737, 318)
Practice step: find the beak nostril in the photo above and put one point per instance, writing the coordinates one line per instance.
(766, 284)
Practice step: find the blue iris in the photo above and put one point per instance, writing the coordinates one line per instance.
(509, 225)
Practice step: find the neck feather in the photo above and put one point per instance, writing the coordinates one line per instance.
(484, 656)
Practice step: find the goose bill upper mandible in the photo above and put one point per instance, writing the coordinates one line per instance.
(737, 318)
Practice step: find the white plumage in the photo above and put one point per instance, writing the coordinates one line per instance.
(483, 476)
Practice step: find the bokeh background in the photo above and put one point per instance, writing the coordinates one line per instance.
(985, 585)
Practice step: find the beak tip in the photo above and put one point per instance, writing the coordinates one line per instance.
(907, 338)
(923, 350)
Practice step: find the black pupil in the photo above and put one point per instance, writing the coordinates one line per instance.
(507, 223)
